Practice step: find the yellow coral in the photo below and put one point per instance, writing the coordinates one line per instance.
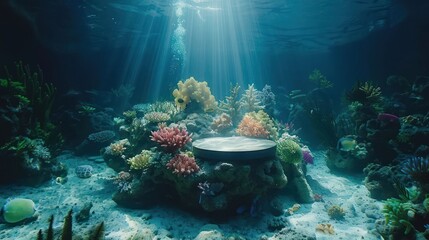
(191, 89)
(141, 161)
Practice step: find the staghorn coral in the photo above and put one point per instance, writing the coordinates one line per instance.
(251, 127)
(222, 124)
(164, 107)
(157, 117)
(141, 160)
(319, 79)
(250, 101)
(367, 94)
(171, 138)
(190, 90)
(183, 165)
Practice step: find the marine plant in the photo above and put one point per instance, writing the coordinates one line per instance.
(251, 99)
(289, 151)
(190, 90)
(319, 79)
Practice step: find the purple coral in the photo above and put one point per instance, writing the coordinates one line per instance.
(307, 156)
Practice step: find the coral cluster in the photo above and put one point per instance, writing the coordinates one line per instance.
(118, 148)
(222, 123)
(183, 165)
(171, 138)
(336, 212)
(257, 124)
(190, 90)
(251, 127)
(141, 160)
(156, 117)
(289, 151)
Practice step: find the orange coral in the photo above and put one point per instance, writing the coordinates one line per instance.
(251, 127)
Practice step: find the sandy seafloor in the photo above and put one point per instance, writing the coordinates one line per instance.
(167, 222)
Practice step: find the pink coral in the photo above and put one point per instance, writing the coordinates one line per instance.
(183, 165)
(171, 138)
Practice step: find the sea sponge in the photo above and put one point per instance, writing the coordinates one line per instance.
(190, 90)
(289, 151)
(18, 209)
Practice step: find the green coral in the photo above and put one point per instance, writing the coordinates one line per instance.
(397, 214)
(289, 151)
(319, 79)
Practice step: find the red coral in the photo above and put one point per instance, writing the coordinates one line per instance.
(171, 138)
(182, 165)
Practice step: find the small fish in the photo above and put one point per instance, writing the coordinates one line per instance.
(346, 144)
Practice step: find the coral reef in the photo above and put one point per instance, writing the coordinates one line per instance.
(157, 117)
(190, 90)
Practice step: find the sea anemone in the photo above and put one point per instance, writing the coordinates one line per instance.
(417, 168)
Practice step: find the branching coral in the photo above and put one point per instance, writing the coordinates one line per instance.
(183, 165)
(141, 160)
(190, 90)
(366, 94)
(157, 117)
(250, 101)
(171, 138)
(118, 148)
(319, 79)
(232, 105)
(257, 124)
(251, 127)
